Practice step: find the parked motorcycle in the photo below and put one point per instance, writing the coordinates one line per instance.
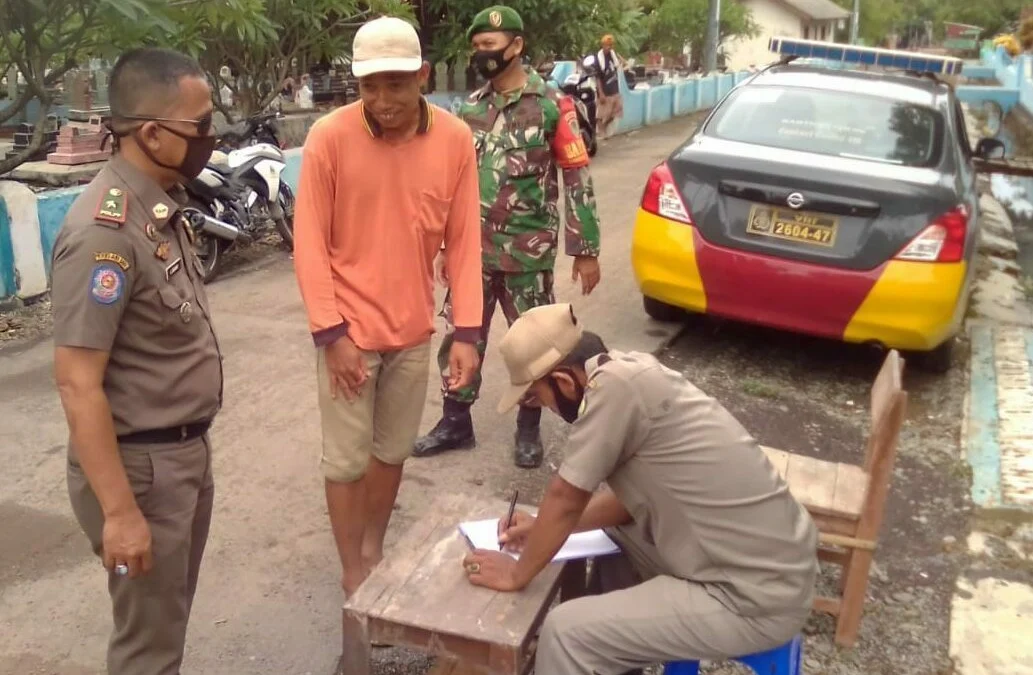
(238, 198)
(256, 129)
(577, 86)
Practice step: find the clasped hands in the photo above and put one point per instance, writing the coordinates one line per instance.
(496, 569)
(349, 371)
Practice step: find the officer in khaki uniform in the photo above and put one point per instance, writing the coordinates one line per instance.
(718, 558)
(137, 362)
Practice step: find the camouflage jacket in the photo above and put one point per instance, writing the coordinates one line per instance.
(523, 140)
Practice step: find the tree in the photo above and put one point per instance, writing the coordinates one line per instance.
(673, 23)
(259, 40)
(44, 39)
(879, 18)
(552, 29)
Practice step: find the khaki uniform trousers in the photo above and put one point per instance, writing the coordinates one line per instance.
(174, 488)
(646, 617)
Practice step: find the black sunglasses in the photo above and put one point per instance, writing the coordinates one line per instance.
(203, 125)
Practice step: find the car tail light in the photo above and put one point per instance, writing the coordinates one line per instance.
(942, 241)
(661, 196)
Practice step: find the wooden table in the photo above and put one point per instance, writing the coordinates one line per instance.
(419, 597)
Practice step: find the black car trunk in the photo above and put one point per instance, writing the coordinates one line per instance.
(834, 211)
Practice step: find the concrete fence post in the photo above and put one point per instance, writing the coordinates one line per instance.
(30, 270)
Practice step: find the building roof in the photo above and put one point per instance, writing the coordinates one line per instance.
(818, 10)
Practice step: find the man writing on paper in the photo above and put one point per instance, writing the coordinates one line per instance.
(718, 558)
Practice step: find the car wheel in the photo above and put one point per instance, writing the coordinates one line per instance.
(661, 311)
(938, 360)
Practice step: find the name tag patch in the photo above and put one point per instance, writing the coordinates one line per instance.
(174, 267)
(108, 256)
(107, 283)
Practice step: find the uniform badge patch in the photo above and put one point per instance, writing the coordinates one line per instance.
(495, 19)
(186, 312)
(151, 231)
(108, 256)
(107, 283)
(162, 252)
(160, 211)
(112, 207)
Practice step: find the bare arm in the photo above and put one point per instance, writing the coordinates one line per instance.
(603, 510)
(80, 376)
(558, 515)
(126, 537)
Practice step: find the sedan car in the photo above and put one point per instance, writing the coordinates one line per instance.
(829, 202)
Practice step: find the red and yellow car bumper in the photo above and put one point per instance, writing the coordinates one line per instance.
(900, 304)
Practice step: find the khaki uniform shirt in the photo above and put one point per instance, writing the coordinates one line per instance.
(698, 486)
(126, 280)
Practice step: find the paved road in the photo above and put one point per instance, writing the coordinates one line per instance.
(269, 600)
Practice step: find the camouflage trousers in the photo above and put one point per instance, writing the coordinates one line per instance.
(515, 293)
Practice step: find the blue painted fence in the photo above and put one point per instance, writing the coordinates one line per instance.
(1013, 75)
(642, 107)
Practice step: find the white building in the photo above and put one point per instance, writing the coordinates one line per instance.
(808, 19)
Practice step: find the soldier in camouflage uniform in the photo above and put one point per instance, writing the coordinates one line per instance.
(525, 132)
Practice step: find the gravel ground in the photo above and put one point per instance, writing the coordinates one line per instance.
(32, 322)
(811, 396)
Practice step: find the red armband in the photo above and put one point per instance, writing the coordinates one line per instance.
(567, 145)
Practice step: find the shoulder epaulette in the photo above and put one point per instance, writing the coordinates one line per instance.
(112, 208)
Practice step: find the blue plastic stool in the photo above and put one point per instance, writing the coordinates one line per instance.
(784, 660)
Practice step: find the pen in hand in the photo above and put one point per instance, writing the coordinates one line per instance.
(509, 518)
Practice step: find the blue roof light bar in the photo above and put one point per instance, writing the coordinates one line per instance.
(866, 56)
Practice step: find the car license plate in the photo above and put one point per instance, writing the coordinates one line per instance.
(805, 228)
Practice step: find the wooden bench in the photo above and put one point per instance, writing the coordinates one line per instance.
(419, 597)
(847, 501)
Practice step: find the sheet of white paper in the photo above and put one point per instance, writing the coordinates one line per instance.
(484, 534)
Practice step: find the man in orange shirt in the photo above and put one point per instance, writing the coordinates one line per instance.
(385, 182)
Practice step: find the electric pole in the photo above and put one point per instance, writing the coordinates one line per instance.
(713, 37)
(853, 21)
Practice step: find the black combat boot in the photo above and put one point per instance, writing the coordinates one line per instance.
(528, 452)
(453, 432)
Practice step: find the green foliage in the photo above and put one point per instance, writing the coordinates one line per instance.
(879, 18)
(553, 30)
(44, 39)
(261, 39)
(672, 23)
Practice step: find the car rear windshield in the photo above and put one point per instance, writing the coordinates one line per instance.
(842, 124)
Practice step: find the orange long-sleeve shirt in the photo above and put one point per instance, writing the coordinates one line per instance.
(371, 216)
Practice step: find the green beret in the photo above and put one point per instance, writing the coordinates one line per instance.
(497, 18)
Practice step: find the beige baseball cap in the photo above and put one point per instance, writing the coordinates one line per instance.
(536, 342)
(384, 45)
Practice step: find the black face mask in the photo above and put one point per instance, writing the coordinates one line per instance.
(199, 151)
(569, 409)
(491, 63)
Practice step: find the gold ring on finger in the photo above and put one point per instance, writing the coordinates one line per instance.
(473, 568)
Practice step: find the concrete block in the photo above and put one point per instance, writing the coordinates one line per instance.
(29, 268)
(997, 246)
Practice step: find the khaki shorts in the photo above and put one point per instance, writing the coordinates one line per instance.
(382, 422)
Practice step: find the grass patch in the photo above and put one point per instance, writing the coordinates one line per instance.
(760, 389)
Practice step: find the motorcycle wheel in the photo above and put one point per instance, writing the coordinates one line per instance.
(285, 225)
(207, 248)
